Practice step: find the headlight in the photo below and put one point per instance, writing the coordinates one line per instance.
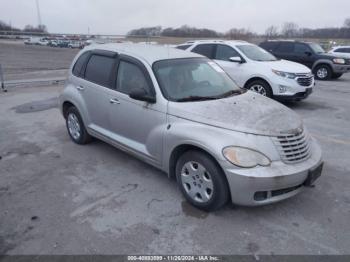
(339, 61)
(285, 74)
(245, 157)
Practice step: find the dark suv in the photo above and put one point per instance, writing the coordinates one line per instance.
(325, 66)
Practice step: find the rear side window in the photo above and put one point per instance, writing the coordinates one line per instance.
(130, 76)
(99, 69)
(285, 48)
(183, 47)
(205, 50)
(301, 48)
(79, 65)
(269, 46)
(342, 50)
(224, 53)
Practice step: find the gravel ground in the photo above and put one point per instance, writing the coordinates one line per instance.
(60, 198)
(22, 62)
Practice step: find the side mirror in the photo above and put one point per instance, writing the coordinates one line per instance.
(236, 59)
(141, 95)
(308, 53)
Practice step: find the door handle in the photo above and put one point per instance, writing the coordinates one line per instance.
(114, 101)
(80, 88)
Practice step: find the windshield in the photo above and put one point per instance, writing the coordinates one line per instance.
(256, 53)
(193, 79)
(317, 48)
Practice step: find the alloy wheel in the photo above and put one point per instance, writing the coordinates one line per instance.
(322, 73)
(259, 89)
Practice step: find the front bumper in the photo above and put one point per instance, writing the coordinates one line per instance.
(290, 89)
(295, 97)
(267, 185)
(341, 69)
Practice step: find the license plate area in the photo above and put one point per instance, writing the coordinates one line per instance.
(314, 174)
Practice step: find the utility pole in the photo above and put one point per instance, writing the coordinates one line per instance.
(38, 11)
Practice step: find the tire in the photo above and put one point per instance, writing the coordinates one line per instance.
(261, 87)
(76, 128)
(202, 181)
(323, 72)
(336, 76)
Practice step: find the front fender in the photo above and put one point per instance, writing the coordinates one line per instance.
(211, 140)
(322, 61)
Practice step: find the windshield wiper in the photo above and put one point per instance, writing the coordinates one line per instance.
(196, 98)
(230, 93)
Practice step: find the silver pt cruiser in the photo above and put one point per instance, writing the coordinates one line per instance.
(181, 113)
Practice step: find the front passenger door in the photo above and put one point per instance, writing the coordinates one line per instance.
(136, 125)
(223, 53)
(303, 54)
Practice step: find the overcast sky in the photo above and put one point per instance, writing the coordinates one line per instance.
(120, 16)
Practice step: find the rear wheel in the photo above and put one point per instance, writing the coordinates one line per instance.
(202, 181)
(76, 128)
(323, 72)
(261, 87)
(336, 76)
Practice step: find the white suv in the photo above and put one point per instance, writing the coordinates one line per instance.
(341, 50)
(256, 69)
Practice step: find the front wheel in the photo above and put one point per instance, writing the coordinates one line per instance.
(323, 72)
(261, 87)
(202, 181)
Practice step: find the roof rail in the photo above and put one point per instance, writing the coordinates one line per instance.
(204, 41)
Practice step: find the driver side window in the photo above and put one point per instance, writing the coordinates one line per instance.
(224, 53)
(131, 77)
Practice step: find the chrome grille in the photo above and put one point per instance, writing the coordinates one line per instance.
(305, 79)
(293, 148)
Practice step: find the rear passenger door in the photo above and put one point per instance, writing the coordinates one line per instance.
(95, 88)
(285, 50)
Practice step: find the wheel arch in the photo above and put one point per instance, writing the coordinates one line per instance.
(65, 106)
(257, 78)
(183, 148)
(322, 62)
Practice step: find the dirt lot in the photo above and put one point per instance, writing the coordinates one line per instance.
(60, 198)
(26, 62)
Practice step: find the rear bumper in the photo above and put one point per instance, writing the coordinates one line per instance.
(267, 185)
(341, 69)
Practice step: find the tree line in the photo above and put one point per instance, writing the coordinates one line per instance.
(287, 30)
(28, 28)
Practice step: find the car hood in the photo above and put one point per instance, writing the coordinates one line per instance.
(340, 55)
(288, 66)
(249, 113)
(330, 56)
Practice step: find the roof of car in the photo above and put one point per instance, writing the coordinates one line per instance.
(215, 41)
(341, 46)
(287, 41)
(146, 52)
